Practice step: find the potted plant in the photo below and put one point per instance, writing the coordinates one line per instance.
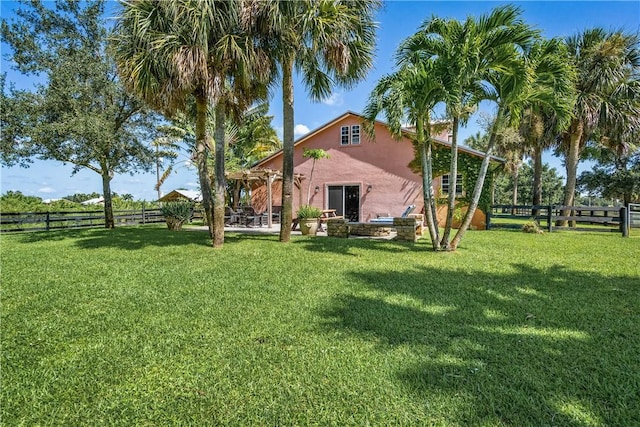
(176, 214)
(308, 217)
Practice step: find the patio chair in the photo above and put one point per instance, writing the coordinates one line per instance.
(276, 212)
(233, 217)
(250, 217)
(228, 216)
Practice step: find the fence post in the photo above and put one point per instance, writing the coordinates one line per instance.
(549, 218)
(489, 218)
(143, 214)
(46, 222)
(624, 225)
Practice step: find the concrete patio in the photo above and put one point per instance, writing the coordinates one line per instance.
(275, 229)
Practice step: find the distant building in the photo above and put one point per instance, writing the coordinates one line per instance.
(176, 195)
(49, 201)
(96, 201)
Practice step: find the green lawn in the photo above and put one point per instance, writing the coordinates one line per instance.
(143, 326)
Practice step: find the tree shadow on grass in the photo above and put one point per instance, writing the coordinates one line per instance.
(530, 347)
(348, 246)
(48, 236)
(136, 238)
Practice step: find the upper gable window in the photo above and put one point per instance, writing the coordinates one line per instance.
(344, 135)
(350, 135)
(355, 134)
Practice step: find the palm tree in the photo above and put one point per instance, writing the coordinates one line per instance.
(254, 137)
(166, 145)
(164, 51)
(539, 77)
(235, 100)
(315, 155)
(548, 114)
(326, 41)
(605, 63)
(250, 138)
(169, 52)
(410, 94)
(509, 147)
(471, 51)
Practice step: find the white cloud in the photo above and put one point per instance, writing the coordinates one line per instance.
(300, 130)
(46, 190)
(135, 180)
(335, 100)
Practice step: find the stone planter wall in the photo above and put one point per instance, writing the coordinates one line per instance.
(408, 229)
(420, 228)
(368, 229)
(337, 228)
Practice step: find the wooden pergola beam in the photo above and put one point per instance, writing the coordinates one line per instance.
(266, 176)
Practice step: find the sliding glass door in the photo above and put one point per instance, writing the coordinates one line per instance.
(345, 199)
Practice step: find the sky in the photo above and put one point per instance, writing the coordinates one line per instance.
(397, 20)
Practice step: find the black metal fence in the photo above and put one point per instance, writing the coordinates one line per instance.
(46, 221)
(579, 218)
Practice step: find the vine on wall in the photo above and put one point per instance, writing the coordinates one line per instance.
(468, 167)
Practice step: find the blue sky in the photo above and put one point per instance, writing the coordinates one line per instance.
(397, 20)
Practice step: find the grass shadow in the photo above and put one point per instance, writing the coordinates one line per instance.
(347, 246)
(48, 236)
(136, 238)
(528, 347)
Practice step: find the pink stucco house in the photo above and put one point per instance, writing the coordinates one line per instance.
(362, 178)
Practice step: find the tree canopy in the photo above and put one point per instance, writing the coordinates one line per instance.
(80, 114)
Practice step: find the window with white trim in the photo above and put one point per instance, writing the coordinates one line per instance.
(445, 180)
(344, 135)
(355, 134)
(350, 135)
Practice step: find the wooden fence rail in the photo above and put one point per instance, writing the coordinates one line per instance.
(580, 218)
(46, 221)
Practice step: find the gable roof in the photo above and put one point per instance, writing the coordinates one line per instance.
(406, 131)
(181, 194)
(95, 201)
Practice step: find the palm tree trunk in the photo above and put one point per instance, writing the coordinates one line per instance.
(427, 180)
(477, 190)
(108, 203)
(571, 163)
(219, 179)
(287, 150)
(201, 159)
(313, 166)
(453, 178)
(158, 170)
(427, 194)
(537, 178)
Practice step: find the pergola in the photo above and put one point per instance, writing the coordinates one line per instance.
(263, 176)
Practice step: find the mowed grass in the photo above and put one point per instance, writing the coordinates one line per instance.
(143, 326)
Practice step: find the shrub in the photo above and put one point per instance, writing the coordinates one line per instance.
(179, 210)
(307, 211)
(532, 226)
